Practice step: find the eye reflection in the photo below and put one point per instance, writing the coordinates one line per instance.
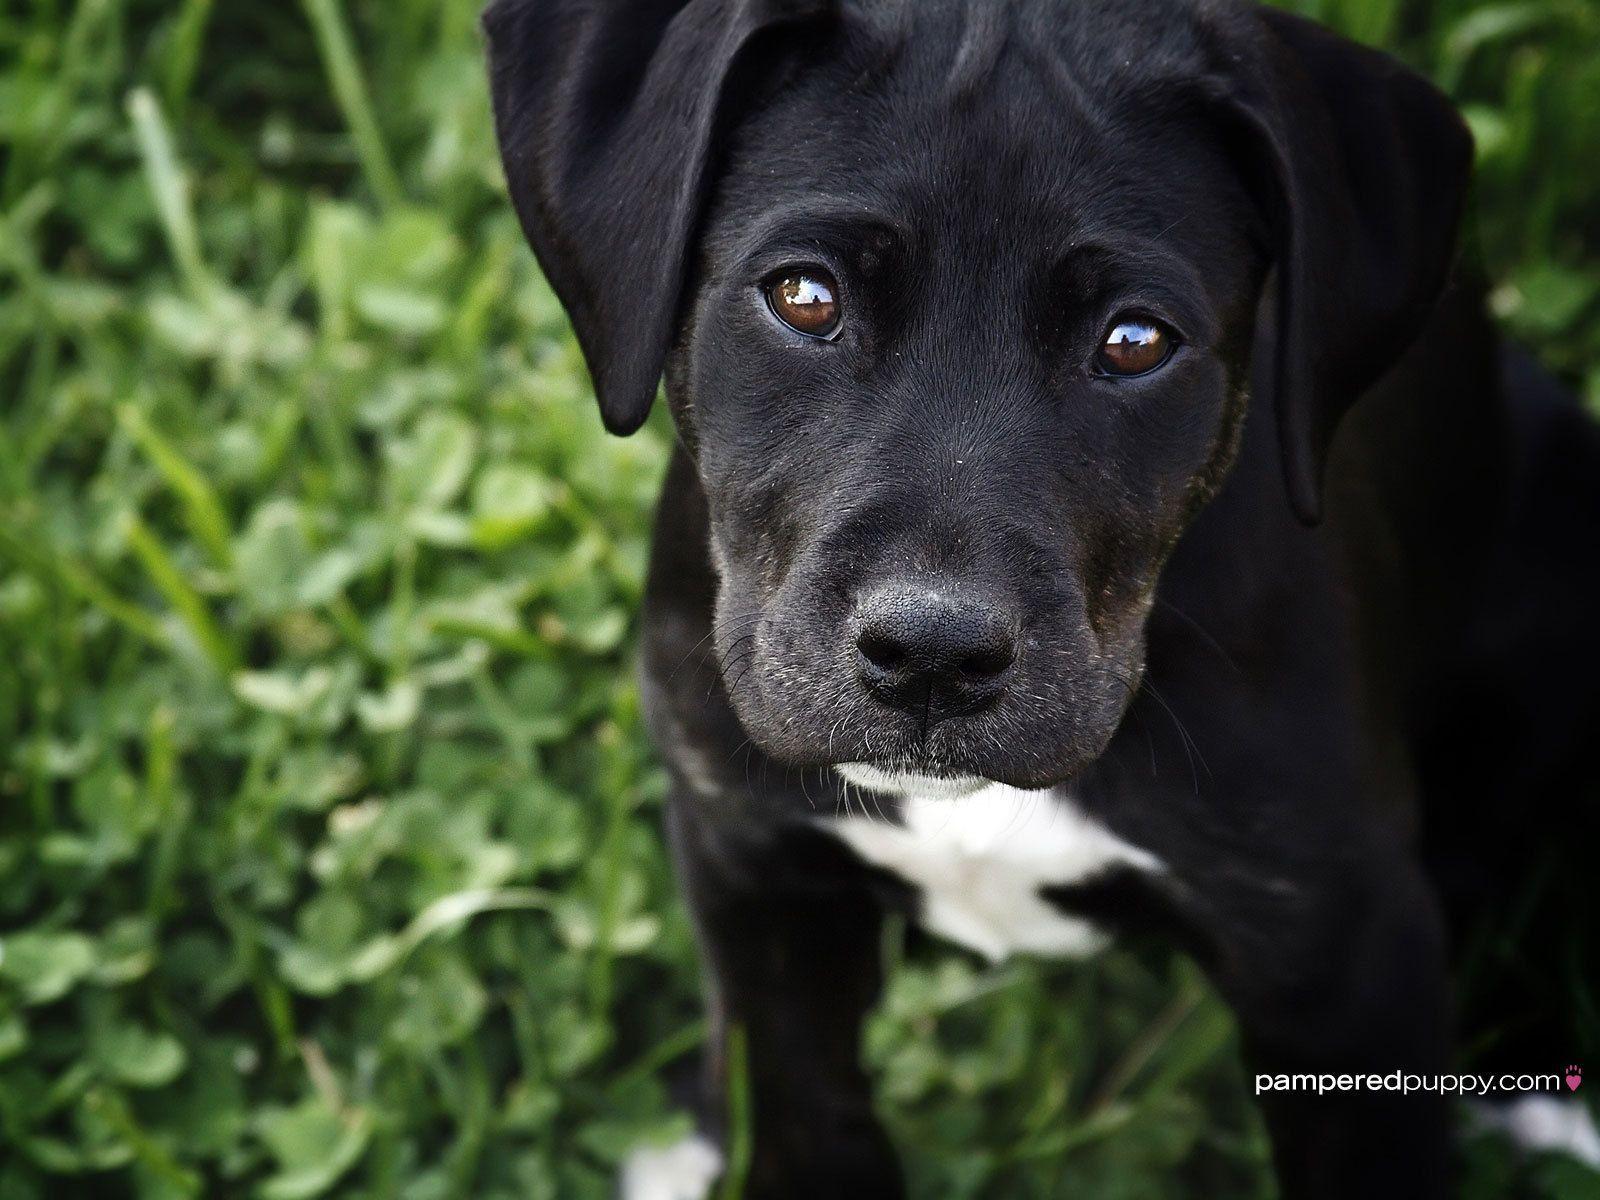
(1134, 346)
(804, 300)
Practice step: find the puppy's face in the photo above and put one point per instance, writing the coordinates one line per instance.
(955, 303)
(964, 352)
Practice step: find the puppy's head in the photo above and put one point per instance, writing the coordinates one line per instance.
(955, 304)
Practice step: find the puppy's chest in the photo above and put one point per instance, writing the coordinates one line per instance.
(981, 865)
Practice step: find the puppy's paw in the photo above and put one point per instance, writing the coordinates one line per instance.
(685, 1170)
(1563, 1125)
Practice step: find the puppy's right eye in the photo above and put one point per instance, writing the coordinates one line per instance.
(1134, 345)
(806, 300)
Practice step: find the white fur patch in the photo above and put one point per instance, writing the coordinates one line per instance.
(896, 783)
(1546, 1123)
(979, 852)
(685, 1170)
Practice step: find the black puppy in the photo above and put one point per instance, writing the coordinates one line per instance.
(1007, 344)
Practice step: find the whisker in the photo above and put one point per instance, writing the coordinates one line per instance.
(1189, 745)
(725, 627)
(744, 660)
(1202, 631)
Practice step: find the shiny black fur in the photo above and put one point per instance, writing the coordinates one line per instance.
(1268, 704)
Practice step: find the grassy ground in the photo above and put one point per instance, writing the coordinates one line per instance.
(328, 861)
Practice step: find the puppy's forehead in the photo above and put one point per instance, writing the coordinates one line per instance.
(1045, 110)
(1103, 45)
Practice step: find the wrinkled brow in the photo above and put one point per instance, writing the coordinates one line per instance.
(831, 221)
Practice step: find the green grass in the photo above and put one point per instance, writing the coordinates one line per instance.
(328, 859)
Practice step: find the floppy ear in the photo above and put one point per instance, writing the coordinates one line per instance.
(1369, 164)
(606, 111)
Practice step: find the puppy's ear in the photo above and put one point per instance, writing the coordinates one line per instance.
(1368, 166)
(606, 111)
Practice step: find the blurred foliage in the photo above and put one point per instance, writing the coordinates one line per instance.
(328, 850)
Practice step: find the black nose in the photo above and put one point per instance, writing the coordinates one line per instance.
(934, 651)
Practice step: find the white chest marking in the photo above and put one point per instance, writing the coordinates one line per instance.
(981, 857)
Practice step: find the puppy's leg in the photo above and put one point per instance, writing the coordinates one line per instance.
(789, 934)
(1345, 977)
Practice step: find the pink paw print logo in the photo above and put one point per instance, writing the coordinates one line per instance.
(1574, 1078)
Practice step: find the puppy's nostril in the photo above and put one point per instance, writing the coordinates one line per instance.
(991, 660)
(883, 652)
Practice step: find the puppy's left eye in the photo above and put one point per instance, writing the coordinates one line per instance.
(1134, 346)
(805, 299)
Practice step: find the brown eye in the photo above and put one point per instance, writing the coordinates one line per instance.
(1133, 346)
(806, 301)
